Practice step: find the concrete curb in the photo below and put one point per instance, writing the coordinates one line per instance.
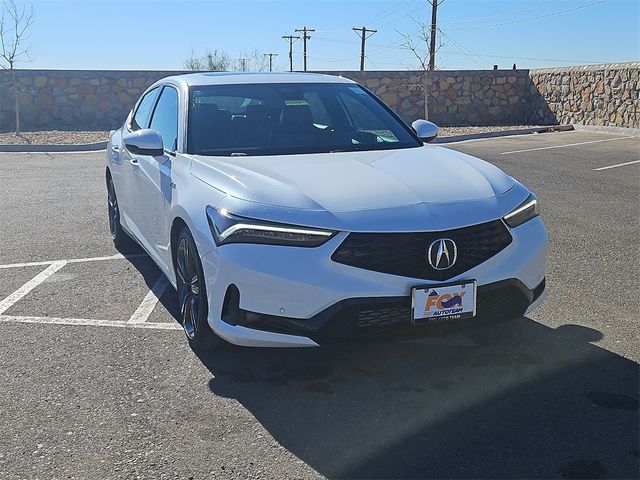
(634, 132)
(504, 133)
(86, 147)
(93, 147)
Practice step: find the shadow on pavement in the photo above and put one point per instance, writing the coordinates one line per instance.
(515, 400)
(150, 272)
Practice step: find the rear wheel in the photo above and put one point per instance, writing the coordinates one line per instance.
(192, 294)
(118, 235)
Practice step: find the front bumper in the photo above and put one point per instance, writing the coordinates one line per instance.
(264, 295)
(387, 315)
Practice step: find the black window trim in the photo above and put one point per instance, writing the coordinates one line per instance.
(137, 106)
(153, 112)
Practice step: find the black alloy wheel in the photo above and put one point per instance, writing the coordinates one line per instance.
(118, 235)
(192, 293)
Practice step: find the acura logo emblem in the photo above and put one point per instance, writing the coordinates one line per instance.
(442, 254)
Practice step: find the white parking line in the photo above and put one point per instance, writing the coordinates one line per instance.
(150, 300)
(137, 320)
(566, 145)
(88, 322)
(615, 166)
(30, 285)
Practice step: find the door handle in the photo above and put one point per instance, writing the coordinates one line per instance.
(133, 161)
(115, 148)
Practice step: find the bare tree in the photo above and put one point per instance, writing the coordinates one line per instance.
(251, 62)
(14, 26)
(417, 43)
(210, 61)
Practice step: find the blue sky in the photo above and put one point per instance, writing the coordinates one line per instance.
(136, 34)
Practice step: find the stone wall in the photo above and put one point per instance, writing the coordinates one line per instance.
(456, 97)
(597, 94)
(73, 99)
(587, 95)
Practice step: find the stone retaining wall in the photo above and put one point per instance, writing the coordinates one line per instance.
(587, 95)
(73, 99)
(592, 95)
(456, 97)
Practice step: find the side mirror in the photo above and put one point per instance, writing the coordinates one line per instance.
(425, 130)
(144, 142)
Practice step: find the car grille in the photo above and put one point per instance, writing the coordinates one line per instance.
(383, 316)
(494, 302)
(405, 254)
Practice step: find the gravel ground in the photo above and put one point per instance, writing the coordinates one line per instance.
(452, 131)
(53, 137)
(59, 137)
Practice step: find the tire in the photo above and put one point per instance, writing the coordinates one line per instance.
(120, 238)
(192, 294)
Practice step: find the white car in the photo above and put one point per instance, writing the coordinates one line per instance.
(290, 209)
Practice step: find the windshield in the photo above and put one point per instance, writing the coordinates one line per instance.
(280, 119)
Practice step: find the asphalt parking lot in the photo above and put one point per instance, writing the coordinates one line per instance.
(98, 381)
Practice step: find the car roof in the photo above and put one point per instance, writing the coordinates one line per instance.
(233, 78)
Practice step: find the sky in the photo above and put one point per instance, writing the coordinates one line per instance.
(473, 34)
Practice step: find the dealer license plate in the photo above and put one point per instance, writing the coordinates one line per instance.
(443, 302)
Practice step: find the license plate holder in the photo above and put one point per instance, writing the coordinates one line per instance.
(447, 301)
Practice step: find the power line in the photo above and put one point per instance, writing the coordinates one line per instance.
(530, 18)
(394, 9)
(421, 8)
(305, 37)
(290, 39)
(505, 14)
(469, 54)
(362, 33)
(513, 57)
(270, 55)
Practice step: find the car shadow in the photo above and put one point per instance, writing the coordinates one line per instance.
(150, 273)
(512, 400)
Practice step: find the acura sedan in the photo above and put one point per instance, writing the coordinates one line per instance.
(291, 209)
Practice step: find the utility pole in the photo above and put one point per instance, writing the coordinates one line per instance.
(290, 39)
(270, 55)
(243, 64)
(432, 45)
(362, 33)
(305, 37)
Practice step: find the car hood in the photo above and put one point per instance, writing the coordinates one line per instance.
(353, 181)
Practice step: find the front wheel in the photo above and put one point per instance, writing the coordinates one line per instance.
(192, 294)
(120, 238)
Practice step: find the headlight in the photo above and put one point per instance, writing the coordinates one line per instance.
(525, 212)
(228, 228)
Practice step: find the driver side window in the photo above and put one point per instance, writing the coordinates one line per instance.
(165, 118)
(143, 112)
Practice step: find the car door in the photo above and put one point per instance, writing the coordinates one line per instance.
(153, 180)
(128, 164)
